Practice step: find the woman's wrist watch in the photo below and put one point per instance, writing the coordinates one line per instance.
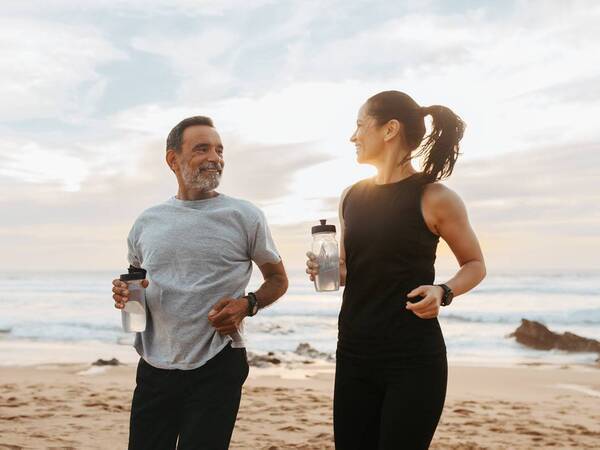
(448, 294)
(252, 303)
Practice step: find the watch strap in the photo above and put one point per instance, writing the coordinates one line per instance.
(447, 298)
(252, 303)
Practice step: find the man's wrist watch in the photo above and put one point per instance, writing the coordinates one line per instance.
(252, 303)
(448, 294)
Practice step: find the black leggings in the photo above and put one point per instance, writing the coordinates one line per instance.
(385, 407)
(188, 409)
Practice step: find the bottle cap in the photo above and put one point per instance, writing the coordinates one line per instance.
(135, 273)
(323, 228)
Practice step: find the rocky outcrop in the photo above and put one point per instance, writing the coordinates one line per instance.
(106, 362)
(307, 353)
(536, 335)
(267, 360)
(305, 349)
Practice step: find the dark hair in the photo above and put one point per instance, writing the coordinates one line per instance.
(440, 148)
(175, 137)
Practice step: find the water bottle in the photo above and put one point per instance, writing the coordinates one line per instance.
(325, 247)
(133, 315)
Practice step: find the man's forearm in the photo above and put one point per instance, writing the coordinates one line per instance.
(272, 289)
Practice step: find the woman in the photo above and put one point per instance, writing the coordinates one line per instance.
(391, 369)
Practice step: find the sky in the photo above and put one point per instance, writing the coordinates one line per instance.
(90, 90)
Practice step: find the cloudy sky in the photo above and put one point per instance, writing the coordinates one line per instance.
(90, 90)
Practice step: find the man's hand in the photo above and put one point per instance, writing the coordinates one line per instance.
(227, 314)
(429, 306)
(120, 292)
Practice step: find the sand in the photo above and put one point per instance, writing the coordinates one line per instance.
(79, 406)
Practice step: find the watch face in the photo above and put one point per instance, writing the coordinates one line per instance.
(448, 298)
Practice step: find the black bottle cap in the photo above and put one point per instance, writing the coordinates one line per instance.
(323, 228)
(135, 273)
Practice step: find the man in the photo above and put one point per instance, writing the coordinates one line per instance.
(197, 249)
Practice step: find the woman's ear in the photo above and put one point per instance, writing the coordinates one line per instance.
(392, 129)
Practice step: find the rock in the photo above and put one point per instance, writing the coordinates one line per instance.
(574, 343)
(106, 362)
(536, 335)
(255, 360)
(305, 349)
(274, 328)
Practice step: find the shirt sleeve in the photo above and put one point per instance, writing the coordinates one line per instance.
(132, 253)
(262, 247)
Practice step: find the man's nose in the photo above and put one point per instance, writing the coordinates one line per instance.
(214, 156)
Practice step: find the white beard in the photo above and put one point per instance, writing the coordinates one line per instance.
(201, 180)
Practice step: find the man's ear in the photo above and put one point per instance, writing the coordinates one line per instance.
(172, 161)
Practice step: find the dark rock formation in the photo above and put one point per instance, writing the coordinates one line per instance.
(305, 349)
(106, 362)
(255, 360)
(536, 335)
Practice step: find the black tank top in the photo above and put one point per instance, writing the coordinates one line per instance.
(389, 252)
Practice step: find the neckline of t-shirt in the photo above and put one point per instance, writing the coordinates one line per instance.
(191, 203)
(395, 183)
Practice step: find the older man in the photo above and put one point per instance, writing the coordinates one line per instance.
(197, 249)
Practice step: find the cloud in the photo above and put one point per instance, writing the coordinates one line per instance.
(31, 163)
(543, 191)
(530, 209)
(48, 69)
(396, 48)
(45, 226)
(283, 82)
(138, 7)
(581, 91)
(264, 173)
(202, 61)
(507, 74)
(535, 209)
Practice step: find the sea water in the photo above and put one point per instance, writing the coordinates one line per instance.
(78, 309)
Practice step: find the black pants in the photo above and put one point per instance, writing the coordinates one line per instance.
(382, 406)
(199, 406)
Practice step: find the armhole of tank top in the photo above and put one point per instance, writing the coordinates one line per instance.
(350, 189)
(423, 221)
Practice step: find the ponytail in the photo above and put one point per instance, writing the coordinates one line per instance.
(440, 148)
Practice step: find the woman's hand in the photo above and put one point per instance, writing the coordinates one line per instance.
(429, 306)
(312, 266)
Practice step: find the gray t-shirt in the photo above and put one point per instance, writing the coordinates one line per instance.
(195, 253)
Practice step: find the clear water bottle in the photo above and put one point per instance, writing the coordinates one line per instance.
(325, 247)
(133, 315)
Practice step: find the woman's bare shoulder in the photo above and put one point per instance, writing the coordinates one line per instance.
(439, 197)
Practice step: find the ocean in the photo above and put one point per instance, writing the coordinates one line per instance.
(62, 311)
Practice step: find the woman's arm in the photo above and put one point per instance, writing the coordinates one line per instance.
(312, 267)
(343, 271)
(445, 215)
(449, 218)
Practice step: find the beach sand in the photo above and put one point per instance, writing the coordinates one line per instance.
(79, 406)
